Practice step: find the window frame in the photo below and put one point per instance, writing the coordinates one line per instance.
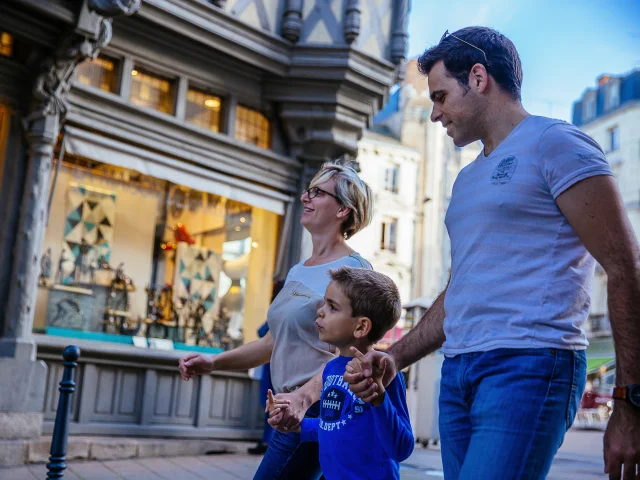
(389, 235)
(152, 72)
(392, 172)
(222, 113)
(266, 117)
(118, 71)
(614, 138)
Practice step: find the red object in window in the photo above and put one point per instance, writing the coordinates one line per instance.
(180, 234)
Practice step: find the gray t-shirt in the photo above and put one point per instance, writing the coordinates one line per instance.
(520, 276)
(298, 354)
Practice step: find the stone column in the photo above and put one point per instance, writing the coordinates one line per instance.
(352, 21)
(399, 36)
(292, 20)
(23, 377)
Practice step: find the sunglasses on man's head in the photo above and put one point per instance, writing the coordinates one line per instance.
(313, 192)
(464, 41)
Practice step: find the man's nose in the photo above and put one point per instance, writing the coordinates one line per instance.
(435, 114)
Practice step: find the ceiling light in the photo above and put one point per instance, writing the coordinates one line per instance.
(212, 103)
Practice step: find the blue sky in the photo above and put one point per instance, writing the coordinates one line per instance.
(564, 44)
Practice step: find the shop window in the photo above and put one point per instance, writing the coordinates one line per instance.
(6, 44)
(388, 236)
(253, 127)
(151, 91)
(128, 255)
(203, 109)
(391, 176)
(100, 72)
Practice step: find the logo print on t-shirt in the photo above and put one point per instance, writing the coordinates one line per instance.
(332, 404)
(505, 170)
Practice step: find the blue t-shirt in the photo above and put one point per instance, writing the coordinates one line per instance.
(520, 276)
(357, 440)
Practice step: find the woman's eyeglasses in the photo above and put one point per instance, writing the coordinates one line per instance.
(313, 192)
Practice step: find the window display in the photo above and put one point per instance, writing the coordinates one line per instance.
(130, 255)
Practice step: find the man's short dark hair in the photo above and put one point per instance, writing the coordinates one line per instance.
(502, 59)
(372, 295)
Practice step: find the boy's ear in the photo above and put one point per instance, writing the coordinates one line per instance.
(363, 327)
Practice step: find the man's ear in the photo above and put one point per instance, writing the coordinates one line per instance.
(478, 78)
(363, 327)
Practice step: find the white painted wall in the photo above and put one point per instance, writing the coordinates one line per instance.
(376, 153)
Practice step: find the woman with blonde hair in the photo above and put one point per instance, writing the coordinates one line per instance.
(337, 204)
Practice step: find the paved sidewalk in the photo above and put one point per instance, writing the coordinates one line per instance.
(578, 459)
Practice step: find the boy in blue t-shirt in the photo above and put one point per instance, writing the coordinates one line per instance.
(358, 440)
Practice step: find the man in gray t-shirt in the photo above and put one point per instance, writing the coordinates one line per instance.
(527, 221)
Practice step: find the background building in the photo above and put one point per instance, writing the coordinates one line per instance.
(152, 154)
(391, 170)
(610, 113)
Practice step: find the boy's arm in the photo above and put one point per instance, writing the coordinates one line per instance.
(309, 429)
(391, 421)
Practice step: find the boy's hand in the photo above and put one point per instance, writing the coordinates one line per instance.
(195, 364)
(286, 413)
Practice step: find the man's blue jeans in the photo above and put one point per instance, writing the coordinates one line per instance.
(504, 413)
(289, 459)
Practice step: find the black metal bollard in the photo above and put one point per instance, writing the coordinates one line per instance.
(57, 465)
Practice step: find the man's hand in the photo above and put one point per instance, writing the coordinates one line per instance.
(622, 442)
(287, 413)
(195, 364)
(367, 373)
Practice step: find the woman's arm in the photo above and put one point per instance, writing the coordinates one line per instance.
(247, 356)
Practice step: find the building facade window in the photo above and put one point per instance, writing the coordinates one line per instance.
(203, 109)
(614, 139)
(101, 72)
(612, 95)
(253, 127)
(6, 44)
(589, 108)
(388, 235)
(391, 178)
(152, 91)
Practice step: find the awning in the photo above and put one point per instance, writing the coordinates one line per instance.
(594, 363)
(106, 150)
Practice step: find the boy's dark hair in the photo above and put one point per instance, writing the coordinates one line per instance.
(372, 295)
(502, 60)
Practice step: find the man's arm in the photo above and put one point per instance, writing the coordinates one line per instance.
(425, 338)
(364, 371)
(596, 212)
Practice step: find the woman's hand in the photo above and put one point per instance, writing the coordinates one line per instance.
(287, 412)
(195, 364)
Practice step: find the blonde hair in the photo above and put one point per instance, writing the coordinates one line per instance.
(353, 192)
